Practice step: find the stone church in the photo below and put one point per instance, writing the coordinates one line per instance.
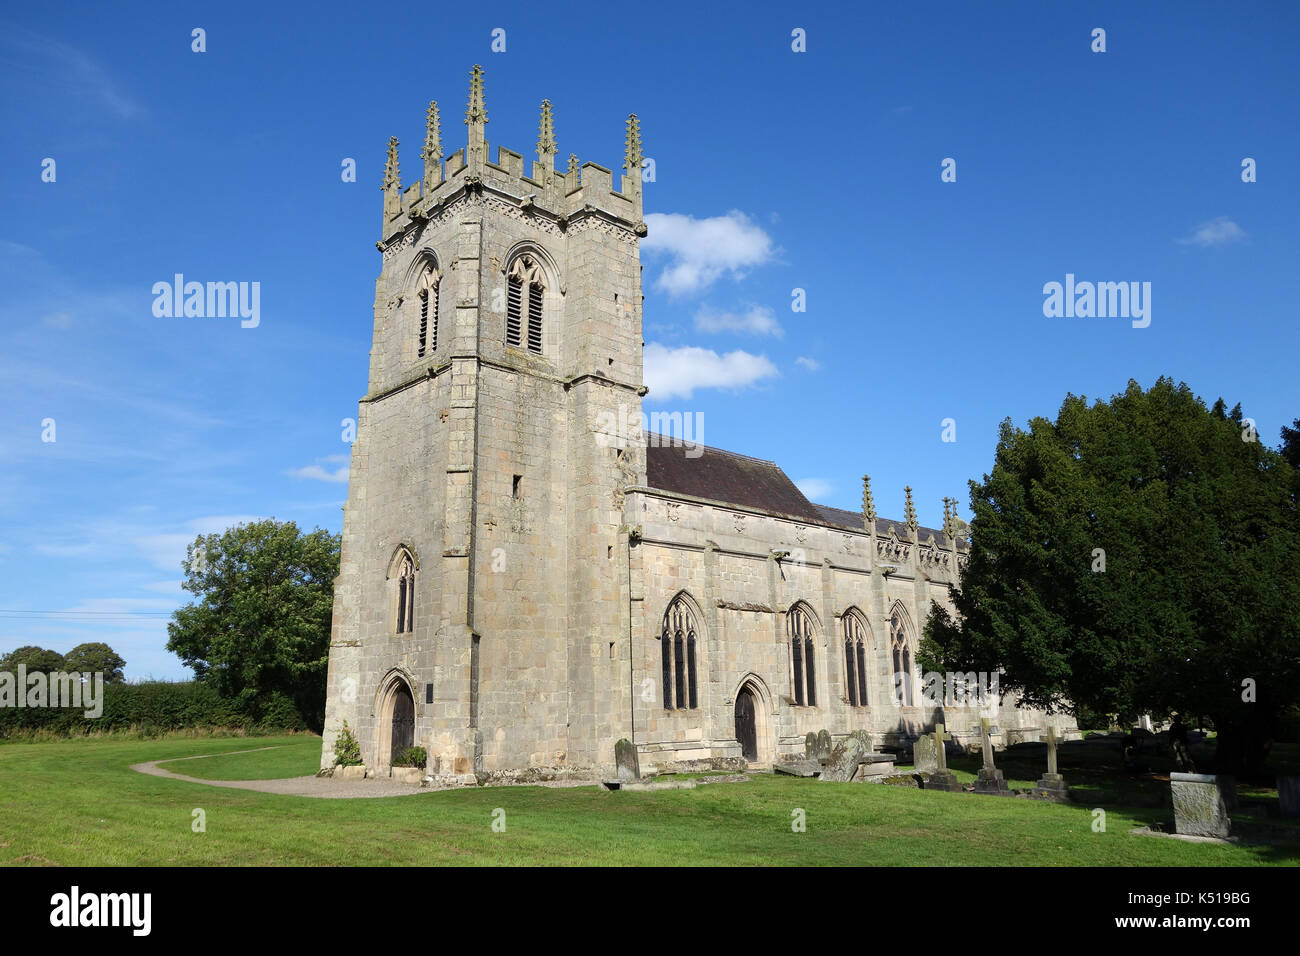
(523, 583)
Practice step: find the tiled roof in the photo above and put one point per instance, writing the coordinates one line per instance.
(730, 478)
(727, 477)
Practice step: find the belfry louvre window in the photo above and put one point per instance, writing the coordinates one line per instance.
(428, 293)
(855, 661)
(524, 310)
(406, 596)
(799, 628)
(677, 649)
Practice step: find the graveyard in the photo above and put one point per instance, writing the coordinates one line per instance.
(78, 802)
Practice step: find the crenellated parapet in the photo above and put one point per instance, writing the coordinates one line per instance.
(583, 191)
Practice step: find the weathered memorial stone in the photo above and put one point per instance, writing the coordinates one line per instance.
(1052, 785)
(842, 764)
(943, 778)
(1288, 796)
(1198, 805)
(924, 755)
(990, 779)
(824, 748)
(629, 766)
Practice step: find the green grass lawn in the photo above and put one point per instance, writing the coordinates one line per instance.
(263, 759)
(76, 802)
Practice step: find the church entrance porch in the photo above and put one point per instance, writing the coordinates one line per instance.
(395, 724)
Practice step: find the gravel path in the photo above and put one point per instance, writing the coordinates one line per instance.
(292, 786)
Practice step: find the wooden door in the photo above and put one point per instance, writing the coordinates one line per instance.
(403, 721)
(746, 730)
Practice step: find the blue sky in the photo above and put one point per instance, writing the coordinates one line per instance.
(774, 170)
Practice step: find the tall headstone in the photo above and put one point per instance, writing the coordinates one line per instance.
(823, 745)
(629, 766)
(1198, 805)
(924, 756)
(1288, 796)
(990, 779)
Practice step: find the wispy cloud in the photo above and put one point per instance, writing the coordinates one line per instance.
(1216, 232)
(677, 372)
(56, 65)
(757, 320)
(318, 472)
(811, 364)
(814, 488)
(700, 251)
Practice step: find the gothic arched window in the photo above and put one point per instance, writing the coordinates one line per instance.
(855, 659)
(427, 293)
(405, 597)
(902, 657)
(677, 650)
(799, 628)
(525, 290)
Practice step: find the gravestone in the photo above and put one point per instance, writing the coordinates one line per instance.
(924, 755)
(810, 746)
(1052, 785)
(824, 747)
(1288, 796)
(842, 763)
(629, 766)
(1198, 805)
(942, 778)
(990, 779)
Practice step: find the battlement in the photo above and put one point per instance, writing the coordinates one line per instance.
(563, 196)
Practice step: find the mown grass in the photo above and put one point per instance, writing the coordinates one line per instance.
(257, 760)
(77, 802)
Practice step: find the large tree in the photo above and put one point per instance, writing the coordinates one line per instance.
(1136, 556)
(262, 624)
(35, 659)
(95, 658)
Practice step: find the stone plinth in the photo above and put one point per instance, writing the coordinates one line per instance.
(1199, 809)
(1052, 787)
(943, 780)
(991, 780)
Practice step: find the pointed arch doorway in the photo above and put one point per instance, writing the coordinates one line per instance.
(747, 722)
(402, 727)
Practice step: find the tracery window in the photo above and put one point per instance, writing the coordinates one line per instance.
(677, 650)
(405, 618)
(427, 293)
(855, 660)
(799, 629)
(902, 658)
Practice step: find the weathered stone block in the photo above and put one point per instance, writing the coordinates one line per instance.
(925, 755)
(1199, 809)
(625, 757)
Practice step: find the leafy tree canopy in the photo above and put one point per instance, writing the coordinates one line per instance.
(262, 621)
(93, 658)
(1136, 556)
(34, 658)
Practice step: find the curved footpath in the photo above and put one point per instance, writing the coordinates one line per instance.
(291, 786)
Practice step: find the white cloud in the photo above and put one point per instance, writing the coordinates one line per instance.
(700, 251)
(58, 320)
(1216, 232)
(758, 320)
(51, 64)
(167, 550)
(811, 364)
(319, 473)
(677, 372)
(814, 488)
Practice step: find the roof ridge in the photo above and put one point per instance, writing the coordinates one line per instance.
(683, 442)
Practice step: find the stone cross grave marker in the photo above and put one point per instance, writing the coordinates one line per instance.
(1052, 785)
(943, 778)
(990, 778)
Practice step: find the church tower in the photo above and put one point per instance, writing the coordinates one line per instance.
(483, 583)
